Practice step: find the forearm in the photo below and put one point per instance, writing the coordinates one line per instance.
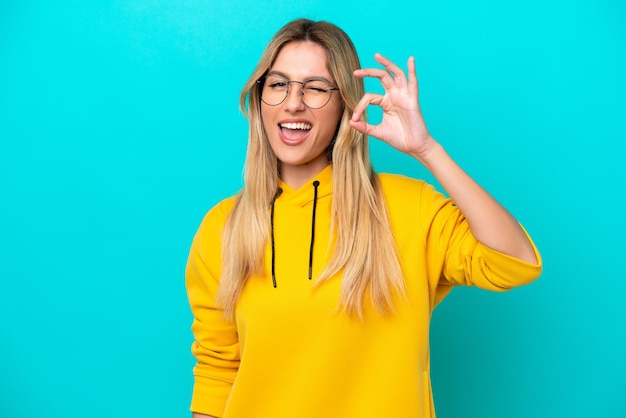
(197, 415)
(490, 223)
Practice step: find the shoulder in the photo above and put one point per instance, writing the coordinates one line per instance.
(389, 181)
(222, 208)
(407, 197)
(397, 187)
(214, 220)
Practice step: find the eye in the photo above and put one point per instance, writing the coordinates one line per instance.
(316, 87)
(276, 83)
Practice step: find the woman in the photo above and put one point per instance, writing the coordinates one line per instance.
(313, 288)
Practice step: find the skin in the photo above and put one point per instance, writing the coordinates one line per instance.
(403, 128)
(301, 161)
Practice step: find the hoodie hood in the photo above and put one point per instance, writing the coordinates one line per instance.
(303, 195)
(318, 187)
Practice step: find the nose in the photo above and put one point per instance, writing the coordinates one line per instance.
(294, 102)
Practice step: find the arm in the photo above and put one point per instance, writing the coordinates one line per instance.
(489, 222)
(403, 128)
(197, 415)
(216, 343)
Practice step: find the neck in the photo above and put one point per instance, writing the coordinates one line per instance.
(296, 176)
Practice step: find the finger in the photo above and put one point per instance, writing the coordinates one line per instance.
(413, 86)
(397, 72)
(366, 100)
(385, 78)
(361, 126)
(365, 128)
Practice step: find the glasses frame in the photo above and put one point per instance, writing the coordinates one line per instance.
(261, 83)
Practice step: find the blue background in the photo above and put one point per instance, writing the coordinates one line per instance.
(120, 128)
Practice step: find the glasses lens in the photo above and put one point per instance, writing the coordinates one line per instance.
(274, 90)
(316, 93)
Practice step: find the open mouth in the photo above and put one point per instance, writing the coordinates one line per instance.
(294, 131)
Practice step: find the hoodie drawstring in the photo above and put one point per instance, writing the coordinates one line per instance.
(278, 193)
(315, 184)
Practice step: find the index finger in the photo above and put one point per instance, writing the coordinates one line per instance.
(397, 72)
(385, 78)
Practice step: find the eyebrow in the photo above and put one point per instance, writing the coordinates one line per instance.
(286, 77)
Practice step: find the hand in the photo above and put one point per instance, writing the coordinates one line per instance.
(402, 125)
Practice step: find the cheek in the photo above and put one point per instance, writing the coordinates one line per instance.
(263, 115)
(337, 110)
(335, 116)
(266, 118)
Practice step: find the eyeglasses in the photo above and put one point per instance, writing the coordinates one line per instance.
(315, 92)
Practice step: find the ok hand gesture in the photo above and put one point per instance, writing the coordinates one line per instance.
(402, 125)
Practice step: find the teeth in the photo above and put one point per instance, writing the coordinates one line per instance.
(299, 125)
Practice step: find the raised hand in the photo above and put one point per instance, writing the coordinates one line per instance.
(402, 125)
(403, 128)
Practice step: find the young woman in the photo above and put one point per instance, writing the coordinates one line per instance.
(312, 289)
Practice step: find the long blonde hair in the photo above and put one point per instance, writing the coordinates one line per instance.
(364, 250)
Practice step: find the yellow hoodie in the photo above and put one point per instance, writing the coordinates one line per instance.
(291, 354)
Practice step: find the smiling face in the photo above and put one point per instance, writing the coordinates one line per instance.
(298, 135)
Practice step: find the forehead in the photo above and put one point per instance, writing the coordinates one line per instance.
(302, 60)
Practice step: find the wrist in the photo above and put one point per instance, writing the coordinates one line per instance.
(429, 154)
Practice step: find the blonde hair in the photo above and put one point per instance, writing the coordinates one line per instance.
(364, 250)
